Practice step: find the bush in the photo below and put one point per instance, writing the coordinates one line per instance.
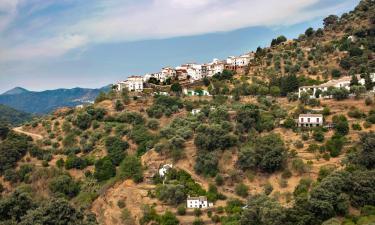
(181, 210)
(242, 190)
(121, 204)
(368, 101)
(197, 212)
(318, 135)
(64, 185)
(104, 169)
(116, 148)
(219, 180)
(356, 126)
(131, 167)
(207, 164)
(268, 188)
(153, 124)
(299, 166)
(267, 154)
(83, 121)
(336, 73)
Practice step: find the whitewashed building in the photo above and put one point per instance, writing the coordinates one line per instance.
(195, 93)
(164, 169)
(310, 120)
(195, 111)
(168, 72)
(198, 203)
(343, 82)
(239, 61)
(133, 83)
(216, 66)
(362, 81)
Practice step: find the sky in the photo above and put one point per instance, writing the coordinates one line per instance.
(48, 44)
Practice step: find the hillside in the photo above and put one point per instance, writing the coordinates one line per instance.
(12, 116)
(241, 147)
(47, 101)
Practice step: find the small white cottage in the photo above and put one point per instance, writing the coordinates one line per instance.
(164, 169)
(195, 111)
(198, 202)
(310, 120)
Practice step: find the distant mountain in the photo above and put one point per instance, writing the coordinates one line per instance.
(15, 91)
(47, 101)
(12, 116)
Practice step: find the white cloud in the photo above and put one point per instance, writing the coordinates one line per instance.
(119, 21)
(45, 48)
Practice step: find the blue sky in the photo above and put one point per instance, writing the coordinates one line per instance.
(48, 44)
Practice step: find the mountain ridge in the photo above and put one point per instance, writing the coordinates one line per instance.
(46, 101)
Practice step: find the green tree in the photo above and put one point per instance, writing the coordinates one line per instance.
(64, 185)
(176, 88)
(104, 169)
(131, 167)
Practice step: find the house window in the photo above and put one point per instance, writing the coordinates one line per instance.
(317, 120)
(301, 120)
(308, 120)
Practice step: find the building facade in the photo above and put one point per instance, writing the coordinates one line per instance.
(310, 120)
(198, 203)
(316, 91)
(133, 83)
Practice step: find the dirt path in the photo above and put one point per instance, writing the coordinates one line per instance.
(34, 136)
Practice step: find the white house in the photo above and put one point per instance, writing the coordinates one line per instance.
(195, 93)
(310, 120)
(168, 72)
(239, 61)
(362, 81)
(181, 73)
(343, 82)
(195, 111)
(216, 66)
(164, 169)
(198, 202)
(133, 83)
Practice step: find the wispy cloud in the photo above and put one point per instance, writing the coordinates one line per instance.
(52, 28)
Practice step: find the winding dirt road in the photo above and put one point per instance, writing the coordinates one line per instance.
(34, 136)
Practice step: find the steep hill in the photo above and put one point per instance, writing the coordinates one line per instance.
(12, 116)
(47, 101)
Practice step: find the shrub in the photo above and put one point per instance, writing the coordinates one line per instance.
(104, 169)
(83, 121)
(268, 188)
(368, 101)
(299, 166)
(318, 135)
(197, 212)
(181, 210)
(356, 126)
(153, 124)
(131, 167)
(64, 185)
(242, 190)
(219, 180)
(121, 204)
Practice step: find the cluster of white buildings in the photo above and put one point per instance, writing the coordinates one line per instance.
(316, 91)
(188, 71)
